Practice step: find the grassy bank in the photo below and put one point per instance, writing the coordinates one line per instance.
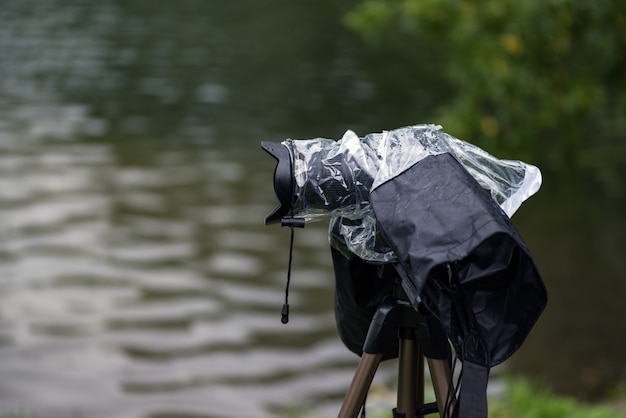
(521, 400)
(525, 400)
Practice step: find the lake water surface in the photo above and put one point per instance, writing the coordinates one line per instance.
(152, 288)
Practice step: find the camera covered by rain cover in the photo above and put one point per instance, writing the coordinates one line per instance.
(323, 178)
(415, 198)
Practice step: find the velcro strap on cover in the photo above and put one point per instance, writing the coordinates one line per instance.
(473, 396)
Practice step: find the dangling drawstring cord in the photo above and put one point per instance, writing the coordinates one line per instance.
(291, 223)
(284, 314)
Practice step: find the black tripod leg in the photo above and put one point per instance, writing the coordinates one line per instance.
(419, 396)
(407, 378)
(360, 385)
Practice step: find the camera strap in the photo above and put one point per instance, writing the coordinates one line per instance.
(292, 223)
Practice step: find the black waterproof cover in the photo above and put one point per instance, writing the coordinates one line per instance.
(360, 288)
(463, 260)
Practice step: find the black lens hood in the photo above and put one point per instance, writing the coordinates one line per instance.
(283, 181)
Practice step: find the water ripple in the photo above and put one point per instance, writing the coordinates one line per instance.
(152, 287)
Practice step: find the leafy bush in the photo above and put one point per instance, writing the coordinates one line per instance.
(543, 80)
(525, 401)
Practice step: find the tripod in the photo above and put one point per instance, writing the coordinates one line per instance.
(420, 336)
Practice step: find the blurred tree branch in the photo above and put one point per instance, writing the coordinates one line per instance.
(538, 80)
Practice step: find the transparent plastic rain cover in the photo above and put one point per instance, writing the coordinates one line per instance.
(334, 179)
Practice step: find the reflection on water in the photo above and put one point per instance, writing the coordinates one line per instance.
(137, 279)
(153, 289)
(209, 71)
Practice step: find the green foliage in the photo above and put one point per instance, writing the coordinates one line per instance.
(15, 414)
(525, 401)
(543, 80)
